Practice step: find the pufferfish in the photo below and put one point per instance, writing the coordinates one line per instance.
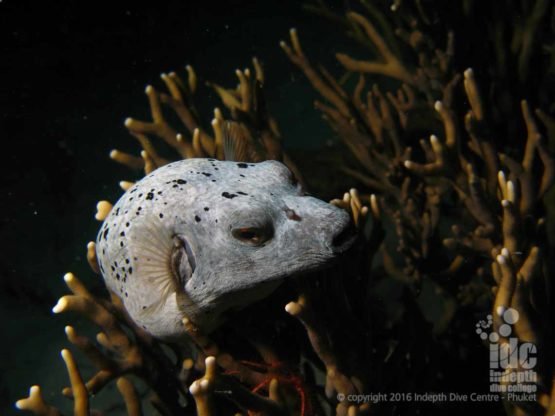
(199, 237)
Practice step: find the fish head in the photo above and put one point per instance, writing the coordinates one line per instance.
(254, 234)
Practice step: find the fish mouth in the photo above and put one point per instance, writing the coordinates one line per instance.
(345, 239)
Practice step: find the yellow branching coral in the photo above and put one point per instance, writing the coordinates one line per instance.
(500, 229)
(245, 103)
(116, 352)
(351, 202)
(338, 384)
(36, 404)
(388, 63)
(203, 389)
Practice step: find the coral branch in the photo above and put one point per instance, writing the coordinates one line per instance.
(336, 380)
(36, 404)
(91, 257)
(296, 55)
(103, 208)
(352, 204)
(120, 353)
(203, 389)
(391, 65)
(132, 162)
(132, 400)
(80, 393)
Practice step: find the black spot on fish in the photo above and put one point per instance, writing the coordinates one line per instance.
(122, 234)
(140, 195)
(206, 208)
(121, 243)
(161, 215)
(241, 193)
(113, 268)
(144, 307)
(213, 180)
(159, 192)
(197, 218)
(242, 165)
(134, 190)
(127, 224)
(175, 186)
(241, 175)
(130, 270)
(127, 261)
(105, 234)
(149, 196)
(206, 174)
(118, 276)
(228, 195)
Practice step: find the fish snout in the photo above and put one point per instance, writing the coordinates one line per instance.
(322, 226)
(344, 233)
(344, 238)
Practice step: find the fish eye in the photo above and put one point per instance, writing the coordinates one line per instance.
(253, 236)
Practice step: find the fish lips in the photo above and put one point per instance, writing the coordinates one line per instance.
(344, 239)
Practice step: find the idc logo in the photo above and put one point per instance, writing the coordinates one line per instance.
(511, 362)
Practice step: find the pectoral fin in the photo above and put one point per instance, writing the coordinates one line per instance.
(163, 261)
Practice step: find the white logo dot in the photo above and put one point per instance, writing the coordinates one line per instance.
(505, 330)
(511, 316)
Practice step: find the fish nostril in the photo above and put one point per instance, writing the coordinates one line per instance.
(344, 238)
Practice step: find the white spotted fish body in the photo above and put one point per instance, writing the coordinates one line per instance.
(200, 236)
